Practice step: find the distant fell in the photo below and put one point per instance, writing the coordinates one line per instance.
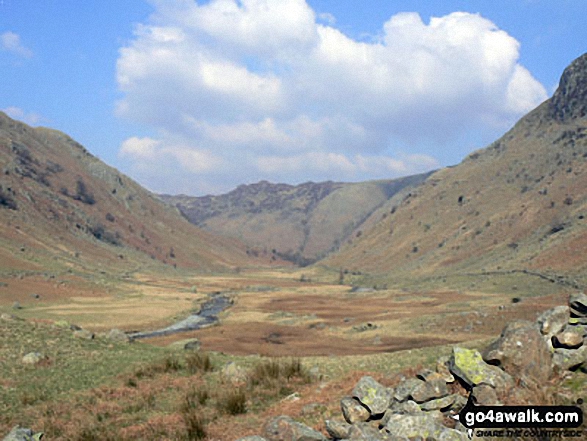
(300, 223)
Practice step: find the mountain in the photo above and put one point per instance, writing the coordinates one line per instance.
(518, 205)
(299, 223)
(60, 204)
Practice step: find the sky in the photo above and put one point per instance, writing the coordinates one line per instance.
(198, 97)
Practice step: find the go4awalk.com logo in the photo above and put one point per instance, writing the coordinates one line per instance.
(521, 421)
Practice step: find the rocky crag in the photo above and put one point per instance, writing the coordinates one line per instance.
(513, 370)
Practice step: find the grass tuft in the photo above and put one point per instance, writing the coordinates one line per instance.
(199, 362)
(233, 402)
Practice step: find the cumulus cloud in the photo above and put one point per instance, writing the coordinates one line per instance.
(10, 42)
(268, 89)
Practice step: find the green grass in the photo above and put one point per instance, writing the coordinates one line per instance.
(72, 364)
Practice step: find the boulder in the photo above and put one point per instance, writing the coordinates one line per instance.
(522, 352)
(193, 345)
(485, 395)
(33, 358)
(424, 426)
(404, 390)
(366, 432)
(9, 317)
(428, 375)
(468, 365)
(578, 304)
(429, 390)
(373, 395)
(338, 429)
(408, 407)
(118, 335)
(441, 404)
(83, 334)
(571, 337)
(16, 306)
(565, 359)
(443, 370)
(353, 411)
(284, 428)
(554, 320)
(21, 434)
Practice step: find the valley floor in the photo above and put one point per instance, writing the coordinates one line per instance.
(135, 391)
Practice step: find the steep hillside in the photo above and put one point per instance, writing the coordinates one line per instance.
(519, 204)
(300, 223)
(60, 204)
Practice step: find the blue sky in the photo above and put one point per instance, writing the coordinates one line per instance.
(198, 97)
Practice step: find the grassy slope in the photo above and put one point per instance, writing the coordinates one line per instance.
(519, 204)
(64, 205)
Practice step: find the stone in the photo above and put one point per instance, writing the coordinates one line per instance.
(9, 317)
(366, 432)
(468, 365)
(441, 404)
(22, 434)
(235, 374)
(408, 407)
(404, 390)
(571, 337)
(284, 428)
(485, 395)
(33, 358)
(364, 327)
(565, 359)
(83, 334)
(338, 429)
(16, 306)
(252, 438)
(554, 320)
(428, 375)
(578, 304)
(118, 335)
(426, 426)
(522, 352)
(353, 411)
(373, 395)
(442, 369)
(429, 390)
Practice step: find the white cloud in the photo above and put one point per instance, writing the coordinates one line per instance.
(268, 89)
(10, 42)
(19, 114)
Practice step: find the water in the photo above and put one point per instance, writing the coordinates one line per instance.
(207, 316)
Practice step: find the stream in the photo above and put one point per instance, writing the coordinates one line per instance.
(207, 316)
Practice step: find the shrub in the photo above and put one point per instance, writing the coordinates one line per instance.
(82, 194)
(233, 402)
(198, 362)
(195, 426)
(7, 201)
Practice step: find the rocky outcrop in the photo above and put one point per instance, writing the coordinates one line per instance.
(569, 102)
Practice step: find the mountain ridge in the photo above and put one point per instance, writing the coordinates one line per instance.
(56, 196)
(519, 203)
(301, 223)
